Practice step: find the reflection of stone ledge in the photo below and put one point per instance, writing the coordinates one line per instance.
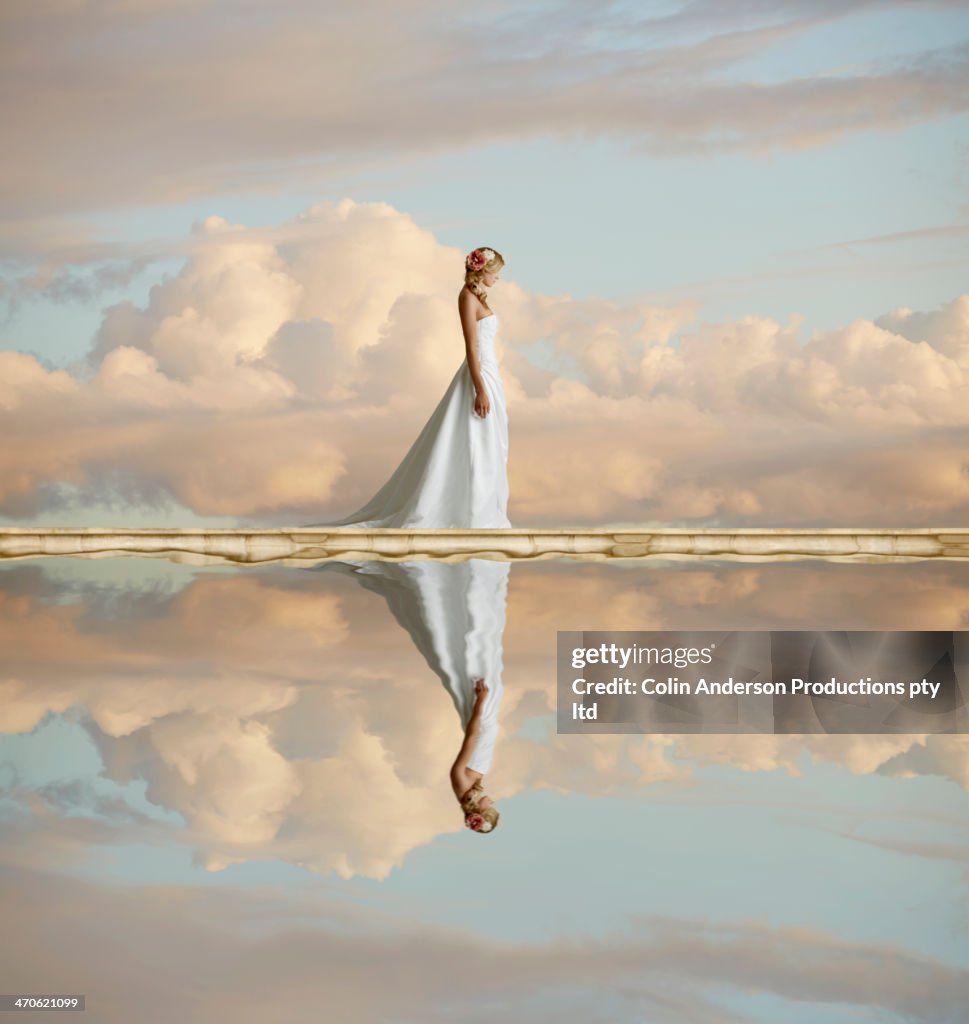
(297, 545)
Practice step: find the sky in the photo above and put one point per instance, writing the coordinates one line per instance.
(735, 294)
(735, 234)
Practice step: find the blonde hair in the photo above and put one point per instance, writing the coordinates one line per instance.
(469, 804)
(472, 278)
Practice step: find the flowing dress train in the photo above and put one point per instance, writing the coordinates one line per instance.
(455, 475)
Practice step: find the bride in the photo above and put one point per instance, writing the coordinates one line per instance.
(456, 472)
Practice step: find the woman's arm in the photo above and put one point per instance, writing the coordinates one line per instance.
(470, 739)
(474, 727)
(469, 324)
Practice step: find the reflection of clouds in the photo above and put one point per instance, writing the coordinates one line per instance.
(223, 773)
(937, 755)
(788, 596)
(131, 669)
(947, 756)
(278, 371)
(271, 954)
(287, 715)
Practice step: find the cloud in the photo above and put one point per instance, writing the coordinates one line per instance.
(288, 717)
(197, 954)
(114, 103)
(284, 370)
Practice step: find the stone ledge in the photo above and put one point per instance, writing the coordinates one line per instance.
(298, 545)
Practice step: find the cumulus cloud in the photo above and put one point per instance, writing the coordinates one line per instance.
(288, 716)
(285, 369)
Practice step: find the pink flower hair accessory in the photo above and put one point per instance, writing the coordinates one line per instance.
(478, 258)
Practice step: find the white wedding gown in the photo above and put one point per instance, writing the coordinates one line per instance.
(456, 473)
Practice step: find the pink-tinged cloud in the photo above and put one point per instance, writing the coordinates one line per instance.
(290, 717)
(109, 102)
(200, 954)
(283, 373)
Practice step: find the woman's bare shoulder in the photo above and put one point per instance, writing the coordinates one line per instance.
(463, 780)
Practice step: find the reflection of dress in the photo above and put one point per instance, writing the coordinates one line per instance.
(456, 472)
(455, 614)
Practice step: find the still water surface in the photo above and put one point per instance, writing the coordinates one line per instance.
(225, 796)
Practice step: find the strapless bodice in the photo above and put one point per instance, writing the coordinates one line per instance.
(487, 329)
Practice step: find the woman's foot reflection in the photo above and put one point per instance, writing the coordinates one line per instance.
(480, 813)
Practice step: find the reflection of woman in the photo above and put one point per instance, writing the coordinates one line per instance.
(480, 813)
(455, 614)
(455, 475)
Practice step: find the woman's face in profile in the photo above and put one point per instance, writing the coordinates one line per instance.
(490, 278)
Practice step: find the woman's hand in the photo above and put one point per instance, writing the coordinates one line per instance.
(480, 690)
(481, 404)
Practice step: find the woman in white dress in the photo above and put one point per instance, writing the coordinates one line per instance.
(456, 473)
